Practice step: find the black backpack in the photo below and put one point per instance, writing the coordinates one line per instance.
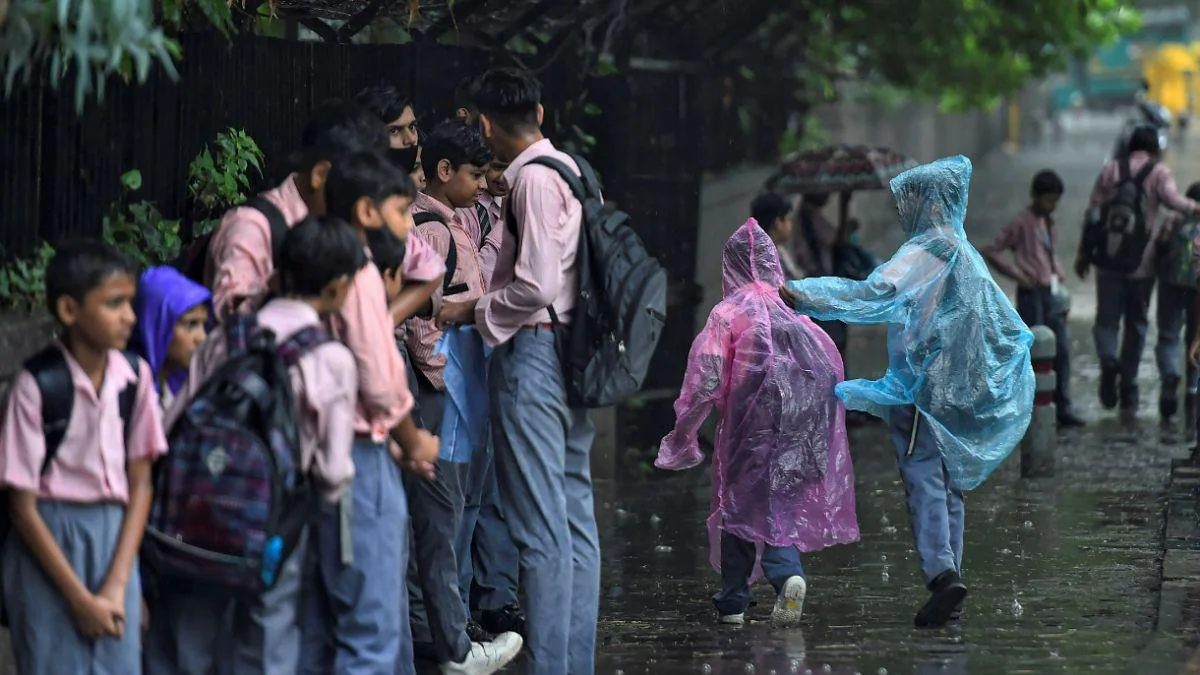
(53, 377)
(1117, 241)
(448, 287)
(191, 263)
(622, 303)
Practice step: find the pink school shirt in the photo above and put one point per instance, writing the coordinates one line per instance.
(542, 270)
(365, 325)
(324, 381)
(489, 248)
(1033, 255)
(1159, 188)
(239, 254)
(91, 462)
(421, 264)
(423, 334)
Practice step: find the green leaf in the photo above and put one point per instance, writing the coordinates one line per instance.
(132, 180)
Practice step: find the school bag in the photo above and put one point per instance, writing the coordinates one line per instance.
(448, 287)
(1118, 239)
(622, 302)
(1175, 255)
(231, 499)
(191, 263)
(53, 377)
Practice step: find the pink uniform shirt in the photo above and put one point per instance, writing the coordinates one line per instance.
(91, 462)
(540, 271)
(1032, 246)
(324, 381)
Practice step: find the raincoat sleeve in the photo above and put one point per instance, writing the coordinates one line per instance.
(863, 302)
(702, 386)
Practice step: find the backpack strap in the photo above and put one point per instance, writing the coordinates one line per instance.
(275, 220)
(53, 377)
(448, 287)
(1143, 173)
(301, 342)
(239, 334)
(1123, 170)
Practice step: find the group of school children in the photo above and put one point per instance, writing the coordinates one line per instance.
(433, 480)
(429, 411)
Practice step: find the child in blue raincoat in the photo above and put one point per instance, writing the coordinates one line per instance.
(958, 393)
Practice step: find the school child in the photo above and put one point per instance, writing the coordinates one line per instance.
(959, 388)
(387, 252)
(1042, 296)
(455, 161)
(395, 110)
(357, 615)
(783, 483)
(202, 626)
(238, 259)
(541, 442)
(1177, 310)
(173, 316)
(81, 430)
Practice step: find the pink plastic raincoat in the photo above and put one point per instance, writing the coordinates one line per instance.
(781, 470)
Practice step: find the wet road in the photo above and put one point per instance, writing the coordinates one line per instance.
(1063, 573)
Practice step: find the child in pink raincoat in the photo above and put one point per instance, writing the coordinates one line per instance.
(783, 483)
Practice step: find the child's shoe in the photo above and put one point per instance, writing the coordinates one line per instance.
(789, 606)
(732, 619)
(1109, 373)
(1168, 398)
(948, 591)
(486, 658)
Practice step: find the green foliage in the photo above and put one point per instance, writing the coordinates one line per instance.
(94, 40)
(138, 229)
(809, 134)
(216, 183)
(23, 281)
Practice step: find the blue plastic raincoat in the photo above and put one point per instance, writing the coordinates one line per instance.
(464, 427)
(957, 349)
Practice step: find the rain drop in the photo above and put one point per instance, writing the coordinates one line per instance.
(663, 549)
(1005, 551)
(706, 668)
(827, 668)
(622, 513)
(1017, 609)
(882, 671)
(749, 668)
(1027, 525)
(890, 529)
(883, 520)
(654, 519)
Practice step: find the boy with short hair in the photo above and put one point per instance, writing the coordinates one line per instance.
(542, 443)
(240, 253)
(1042, 296)
(81, 430)
(455, 159)
(190, 631)
(359, 612)
(395, 110)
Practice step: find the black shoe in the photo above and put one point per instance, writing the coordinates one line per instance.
(1108, 385)
(1067, 418)
(476, 632)
(1129, 399)
(507, 619)
(947, 591)
(956, 613)
(1168, 397)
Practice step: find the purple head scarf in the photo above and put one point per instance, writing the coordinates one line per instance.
(164, 295)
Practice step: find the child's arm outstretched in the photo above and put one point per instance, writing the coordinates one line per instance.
(702, 384)
(862, 302)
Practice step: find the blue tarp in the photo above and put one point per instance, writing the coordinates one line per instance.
(465, 420)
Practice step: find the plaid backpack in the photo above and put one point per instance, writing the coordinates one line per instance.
(230, 499)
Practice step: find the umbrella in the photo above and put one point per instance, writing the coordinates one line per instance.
(839, 168)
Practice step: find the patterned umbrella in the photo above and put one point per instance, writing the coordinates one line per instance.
(839, 168)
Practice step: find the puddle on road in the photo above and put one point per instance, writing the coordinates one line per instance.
(1063, 573)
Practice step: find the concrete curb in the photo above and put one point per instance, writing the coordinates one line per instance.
(1173, 644)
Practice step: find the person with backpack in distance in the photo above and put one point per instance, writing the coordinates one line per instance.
(958, 392)
(557, 352)
(455, 161)
(81, 430)
(201, 623)
(357, 616)
(239, 256)
(783, 483)
(1120, 241)
(1177, 275)
(1042, 295)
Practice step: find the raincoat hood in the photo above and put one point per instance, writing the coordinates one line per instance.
(933, 196)
(750, 258)
(164, 295)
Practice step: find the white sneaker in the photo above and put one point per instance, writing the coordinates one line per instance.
(486, 658)
(789, 606)
(732, 619)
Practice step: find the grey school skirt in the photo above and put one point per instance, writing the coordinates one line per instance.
(44, 637)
